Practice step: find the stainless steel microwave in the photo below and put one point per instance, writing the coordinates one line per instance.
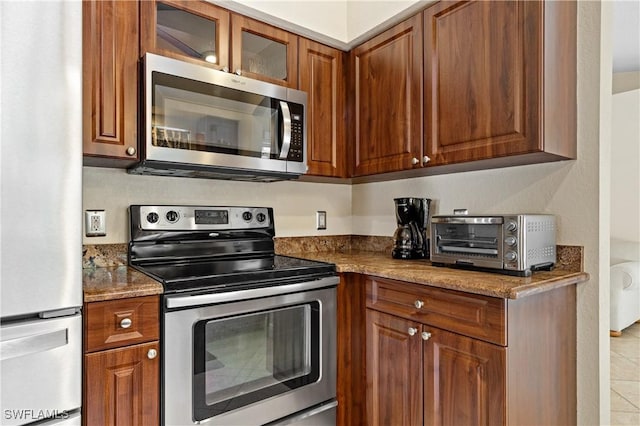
(201, 122)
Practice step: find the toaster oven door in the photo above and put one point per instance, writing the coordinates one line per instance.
(467, 241)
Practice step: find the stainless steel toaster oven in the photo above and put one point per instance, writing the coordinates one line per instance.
(515, 244)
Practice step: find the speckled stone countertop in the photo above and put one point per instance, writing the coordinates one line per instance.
(422, 272)
(117, 282)
(106, 275)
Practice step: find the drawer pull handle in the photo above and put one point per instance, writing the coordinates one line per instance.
(426, 335)
(125, 323)
(418, 304)
(152, 354)
(412, 331)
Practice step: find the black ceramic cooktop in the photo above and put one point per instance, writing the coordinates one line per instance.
(232, 274)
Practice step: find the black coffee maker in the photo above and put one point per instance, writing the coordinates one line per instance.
(411, 238)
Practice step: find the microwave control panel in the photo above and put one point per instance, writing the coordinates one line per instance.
(296, 150)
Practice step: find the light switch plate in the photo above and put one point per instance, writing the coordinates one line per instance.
(95, 223)
(321, 219)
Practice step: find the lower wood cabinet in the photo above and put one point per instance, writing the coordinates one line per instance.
(122, 386)
(121, 372)
(442, 357)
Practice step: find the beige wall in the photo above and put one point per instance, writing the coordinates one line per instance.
(577, 191)
(295, 203)
(625, 177)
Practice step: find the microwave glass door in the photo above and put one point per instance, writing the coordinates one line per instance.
(197, 116)
(242, 359)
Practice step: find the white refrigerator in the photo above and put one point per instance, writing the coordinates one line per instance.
(40, 212)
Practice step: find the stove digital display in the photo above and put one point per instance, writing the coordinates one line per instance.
(212, 217)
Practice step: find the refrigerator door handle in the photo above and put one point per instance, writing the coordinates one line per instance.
(22, 346)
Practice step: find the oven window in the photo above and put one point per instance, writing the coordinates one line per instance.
(244, 359)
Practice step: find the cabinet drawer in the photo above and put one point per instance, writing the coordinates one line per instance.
(116, 323)
(477, 316)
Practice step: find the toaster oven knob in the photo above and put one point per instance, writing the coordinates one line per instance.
(510, 241)
(511, 256)
(512, 226)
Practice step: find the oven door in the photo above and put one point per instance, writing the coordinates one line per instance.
(468, 240)
(251, 361)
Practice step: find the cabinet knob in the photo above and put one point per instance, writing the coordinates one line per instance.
(238, 71)
(225, 69)
(414, 161)
(418, 304)
(125, 323)
(426, 335)
(412, 331)
(425, 159)
(152, 354)
(131, 151)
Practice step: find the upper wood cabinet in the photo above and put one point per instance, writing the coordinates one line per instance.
(110, 82)
(193, 31)
(264, 52)
(500, 81)
(387, 86)
(321, 75)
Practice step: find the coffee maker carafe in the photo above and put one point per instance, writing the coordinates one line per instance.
(411, 238)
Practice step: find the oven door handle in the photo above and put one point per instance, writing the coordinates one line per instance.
(184, 301)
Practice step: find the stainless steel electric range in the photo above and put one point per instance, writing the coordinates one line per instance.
(248, 336)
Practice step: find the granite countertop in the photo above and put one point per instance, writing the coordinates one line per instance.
(106, 275)
(422, 272)
(117, 282)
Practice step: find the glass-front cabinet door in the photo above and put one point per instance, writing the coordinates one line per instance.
(264, 52)
(195, 31)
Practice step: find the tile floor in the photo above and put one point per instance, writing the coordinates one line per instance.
(625, 377)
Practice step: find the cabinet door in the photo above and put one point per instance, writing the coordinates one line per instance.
(194, 31)
(110, 81)
(122, 386)
(464, 380)
(393, 370)
(321, 76)
(388, 101)
(264, 52)
(482, 80)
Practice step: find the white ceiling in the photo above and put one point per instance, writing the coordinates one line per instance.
(626, 35)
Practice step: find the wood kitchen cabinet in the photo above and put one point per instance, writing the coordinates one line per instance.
(192, 31)
(110, 82)
(322, 75)
(442, 357)
(121, 372)
(499, 82)
(264, 52)
(387, 90)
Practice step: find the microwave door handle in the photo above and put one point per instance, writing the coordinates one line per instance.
(286, 133)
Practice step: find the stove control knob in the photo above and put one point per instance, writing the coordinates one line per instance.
(153, 217)
(261, 217)
(172, 216)
(247, 216)
(510, 241)
(510, 256)
(512, 226)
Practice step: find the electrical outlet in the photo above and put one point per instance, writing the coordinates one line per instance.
(95, 223)
(321, 220)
